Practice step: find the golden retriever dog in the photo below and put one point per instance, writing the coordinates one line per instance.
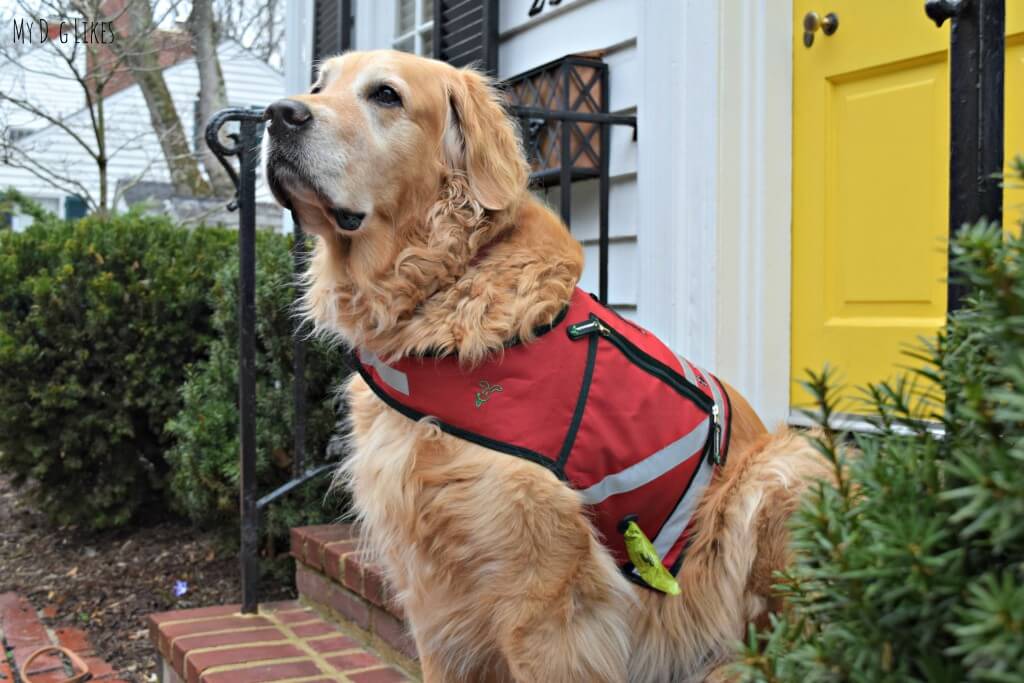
(412, 179)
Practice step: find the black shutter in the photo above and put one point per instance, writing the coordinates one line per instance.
(466, 33)
(332, 29)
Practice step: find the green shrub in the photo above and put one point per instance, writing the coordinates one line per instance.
(204, 459)
(99, 320)
(912, 567)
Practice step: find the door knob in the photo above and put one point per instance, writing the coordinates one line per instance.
(828, 24)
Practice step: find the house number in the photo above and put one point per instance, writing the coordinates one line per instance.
(538, 6)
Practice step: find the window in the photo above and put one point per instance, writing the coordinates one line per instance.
(414, 27)
(15, 134)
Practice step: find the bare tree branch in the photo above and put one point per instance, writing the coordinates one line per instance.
(18, 158)
(144, 29)
(53, 120)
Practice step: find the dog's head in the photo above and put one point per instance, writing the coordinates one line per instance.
(412, 177)
(369, 146)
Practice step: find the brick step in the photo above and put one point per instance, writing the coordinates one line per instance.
(22, 631)
(285, 641)
(331, 574)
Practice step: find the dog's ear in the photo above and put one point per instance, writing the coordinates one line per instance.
(482, 141)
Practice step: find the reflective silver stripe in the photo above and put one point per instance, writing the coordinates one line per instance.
(687, 370)
(681, 516)
(650, 468)
(395, 379)
(714, 391)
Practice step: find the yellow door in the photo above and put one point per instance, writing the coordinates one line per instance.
(870, 183)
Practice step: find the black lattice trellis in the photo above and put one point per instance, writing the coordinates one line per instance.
(573, 84)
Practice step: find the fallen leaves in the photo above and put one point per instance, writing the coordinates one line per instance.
(108, 583)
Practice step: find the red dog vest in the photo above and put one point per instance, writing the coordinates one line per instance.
(596, 399)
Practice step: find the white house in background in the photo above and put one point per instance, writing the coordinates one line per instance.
(39, 81)
(135, 150)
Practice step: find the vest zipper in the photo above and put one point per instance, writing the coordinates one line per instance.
(644, 361)
(716, 437)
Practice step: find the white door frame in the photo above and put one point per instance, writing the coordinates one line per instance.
(375, 24)
(677, 174)
(755, 202)
(714, 172)
(298, 64)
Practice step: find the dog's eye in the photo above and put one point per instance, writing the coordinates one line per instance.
(385, 96)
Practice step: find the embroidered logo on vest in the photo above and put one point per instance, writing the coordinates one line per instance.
(486, 389)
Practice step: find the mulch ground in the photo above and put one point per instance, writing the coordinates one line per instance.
(107, 583)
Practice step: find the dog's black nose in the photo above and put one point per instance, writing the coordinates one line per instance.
(287, 115)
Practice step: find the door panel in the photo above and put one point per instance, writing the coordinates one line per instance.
(870, 185)
(874, 197)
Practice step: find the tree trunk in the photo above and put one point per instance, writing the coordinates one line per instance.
(212, 94)
(100, 129)
(144, 63)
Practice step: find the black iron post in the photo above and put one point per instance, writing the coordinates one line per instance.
(249, 138)
(604, 189)
(298, 365)
(976, 72)
(565, 166)
(246, 147)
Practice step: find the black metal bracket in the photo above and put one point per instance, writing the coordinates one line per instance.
(222, 152)
(940, 10)
(289, 486)
(538, 116)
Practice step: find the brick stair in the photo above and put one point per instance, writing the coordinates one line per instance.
(286, 641)
(344, 627)
(332, 575)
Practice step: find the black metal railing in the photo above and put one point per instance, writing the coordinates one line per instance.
(605, 121)
(562, 106)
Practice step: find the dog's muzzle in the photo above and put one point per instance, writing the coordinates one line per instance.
(286, 122)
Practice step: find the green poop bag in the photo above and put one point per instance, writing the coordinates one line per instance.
(645, 558)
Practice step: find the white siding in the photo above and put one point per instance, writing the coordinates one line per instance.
(133, 147)
(40, 77)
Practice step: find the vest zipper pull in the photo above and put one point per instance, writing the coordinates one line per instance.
(585, 328)
(716, 436)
